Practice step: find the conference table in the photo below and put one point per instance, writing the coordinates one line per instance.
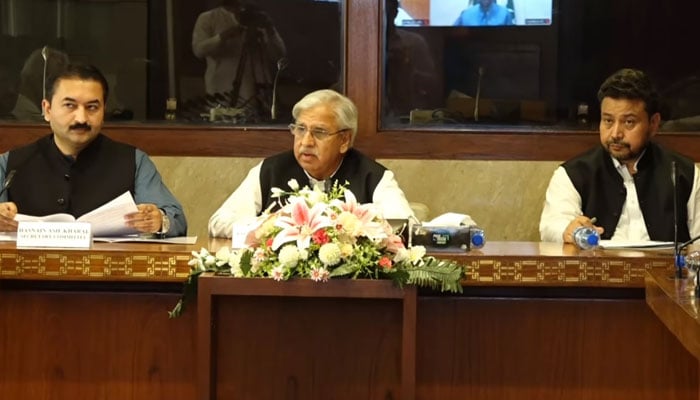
(535, 320)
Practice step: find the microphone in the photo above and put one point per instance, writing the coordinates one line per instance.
(281, 64)
(676, 247)
(478, 94)
(8, 181)
(45, 56)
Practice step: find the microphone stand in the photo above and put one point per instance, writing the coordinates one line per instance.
(8, 181)
(281, 64)
(677, 259)
(478, 94)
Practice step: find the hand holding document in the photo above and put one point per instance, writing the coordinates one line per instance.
(106, 220)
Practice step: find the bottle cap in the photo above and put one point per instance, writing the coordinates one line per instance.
(478, 239)
(592, 239)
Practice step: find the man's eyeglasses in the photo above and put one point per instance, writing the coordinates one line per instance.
(318, 133)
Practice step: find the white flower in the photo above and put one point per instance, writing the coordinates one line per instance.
(265, 229)
(196, 264)
(346, 250)
(304, 254)
(222, 256)
(319, 274)
(257, 260)
(313, 197)
(329, 254)
(293, 184)
(236, 271)
(276, 193)
(349, 223)
(209, 261)
(289, 256)
(416, 253)
(277, 273)
(203, 253)
(401, 255)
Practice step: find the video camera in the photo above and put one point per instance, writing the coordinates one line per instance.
(254, 17)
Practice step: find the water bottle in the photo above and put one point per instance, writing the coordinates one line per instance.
(477, 238)
(586, 237)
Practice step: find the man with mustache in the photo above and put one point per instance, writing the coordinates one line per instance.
(324, 130)
(77, 169)
(626, 184)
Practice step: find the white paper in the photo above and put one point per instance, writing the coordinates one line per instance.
(635, 244)
(147, 239)
(106, 220)
(451, 219)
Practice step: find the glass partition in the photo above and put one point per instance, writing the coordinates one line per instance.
(519, 64)
(223, 62)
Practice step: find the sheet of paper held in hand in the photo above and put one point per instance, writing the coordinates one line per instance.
(106, 220)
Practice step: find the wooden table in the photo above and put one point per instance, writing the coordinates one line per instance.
(674, 302)
(536, 320)
(259, 338)
(93, 324)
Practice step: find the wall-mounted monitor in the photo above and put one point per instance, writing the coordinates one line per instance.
(482, 13)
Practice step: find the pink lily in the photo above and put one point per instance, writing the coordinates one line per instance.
(300, 224)
(365, 213)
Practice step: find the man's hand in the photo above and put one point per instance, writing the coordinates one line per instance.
(8, 211)
(581, 220)
(148, 219)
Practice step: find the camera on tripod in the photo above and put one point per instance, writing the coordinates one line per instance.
(253, 17)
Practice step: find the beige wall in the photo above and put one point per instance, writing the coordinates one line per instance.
(504, 197)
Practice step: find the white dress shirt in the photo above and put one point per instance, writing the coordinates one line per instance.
(223, 55)
(563, 203)
(245, 203)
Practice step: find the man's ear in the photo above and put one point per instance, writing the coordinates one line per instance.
(46, 108)
(345, 145)
(654, 123)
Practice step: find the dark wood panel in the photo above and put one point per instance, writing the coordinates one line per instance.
(180, 140)
(72, 345)
(548, 349)
(301, 348)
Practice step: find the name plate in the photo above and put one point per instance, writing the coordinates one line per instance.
(76, 235)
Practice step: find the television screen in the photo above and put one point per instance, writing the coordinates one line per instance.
(474, 13)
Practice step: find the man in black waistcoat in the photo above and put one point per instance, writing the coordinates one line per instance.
(77, 169)
(627, 183)
(324, 130)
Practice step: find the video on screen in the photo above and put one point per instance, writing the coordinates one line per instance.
(486, 13)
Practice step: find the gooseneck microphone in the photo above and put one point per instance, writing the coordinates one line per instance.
(281, 65)
(478, 94)
(676, 248)
(8, 181)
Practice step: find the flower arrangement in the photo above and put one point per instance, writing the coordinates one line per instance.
(319, 235)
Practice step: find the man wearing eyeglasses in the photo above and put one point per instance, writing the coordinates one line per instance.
(324, 130)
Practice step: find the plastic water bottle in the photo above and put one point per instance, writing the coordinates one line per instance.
(586, 238)
(477, 238)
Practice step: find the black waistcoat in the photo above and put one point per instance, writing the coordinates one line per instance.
(361, 172)
(603, 192)
(47, 182)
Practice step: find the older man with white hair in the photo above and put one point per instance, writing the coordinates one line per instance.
(324, 130)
